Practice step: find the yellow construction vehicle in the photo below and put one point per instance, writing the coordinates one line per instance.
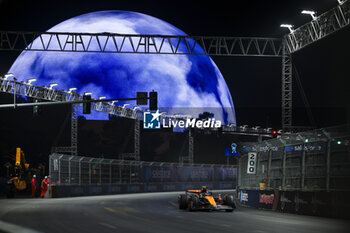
(20, 176)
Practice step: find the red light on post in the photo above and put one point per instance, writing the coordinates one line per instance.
(274, 133)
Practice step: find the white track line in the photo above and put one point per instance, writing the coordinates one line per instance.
(12, 228)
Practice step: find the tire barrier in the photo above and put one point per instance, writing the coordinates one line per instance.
(91, 190)
(317, 203)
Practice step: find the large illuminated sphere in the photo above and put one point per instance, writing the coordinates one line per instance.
(183, 82)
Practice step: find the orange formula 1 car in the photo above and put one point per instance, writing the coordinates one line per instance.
(204, 200)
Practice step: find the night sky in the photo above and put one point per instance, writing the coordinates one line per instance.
(255, 83)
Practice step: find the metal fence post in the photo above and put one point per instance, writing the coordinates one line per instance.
(50, 170)
(284, 157)
(303, 160)
(269, 169)
(110, 172)
(90, 171)
(69, 169)
(120, 174)
(328, 164)
(59, 169)
(100, 181)
(80, 170)
(328, 159)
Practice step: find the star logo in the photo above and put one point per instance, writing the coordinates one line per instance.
(155, 115)
(151, 120)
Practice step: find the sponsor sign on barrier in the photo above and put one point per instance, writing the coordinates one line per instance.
(266, 199)
(249, 197)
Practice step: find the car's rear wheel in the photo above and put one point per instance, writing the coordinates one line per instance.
(183, 203)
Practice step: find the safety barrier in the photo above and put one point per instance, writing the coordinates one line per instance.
(319, 203)
(80, 176)
(78, 170)
(89, 190)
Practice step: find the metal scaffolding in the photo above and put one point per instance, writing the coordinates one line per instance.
(132, 43)
(307, 161)
(287, 82)
(54, 95)
(320, 27)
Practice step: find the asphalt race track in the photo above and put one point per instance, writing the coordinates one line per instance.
(149, 212)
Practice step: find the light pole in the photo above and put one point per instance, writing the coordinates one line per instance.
(29, 81)
(72, 89)
(289, 26)
(51, 85)
(311, 13)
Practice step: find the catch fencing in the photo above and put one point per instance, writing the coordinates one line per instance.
(316, 160)
(77, 170)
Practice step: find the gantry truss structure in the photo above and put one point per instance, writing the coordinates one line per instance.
(149, 44)
(42, 93)
(283, 48)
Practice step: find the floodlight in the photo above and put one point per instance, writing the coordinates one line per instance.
(29, 81)
(312, 13)
(135, 107)
(51, 85)
(339, 142)
(102, 97)
(6, 76)
(124, 105)
(341, 1)
(88, 93)
(114, 101)
(306, 140)
(289, 26)
(72, 89)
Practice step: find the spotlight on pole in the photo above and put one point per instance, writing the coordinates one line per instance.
(124, 105)
(51, 85)
(289, 26)
(102, 97)
(312, 13)
(29, 81)
(9, 75)
(72, 89)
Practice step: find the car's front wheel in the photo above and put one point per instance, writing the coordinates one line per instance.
(228, 200)
(193, 203)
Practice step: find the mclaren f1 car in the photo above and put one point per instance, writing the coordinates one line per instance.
(194, 200)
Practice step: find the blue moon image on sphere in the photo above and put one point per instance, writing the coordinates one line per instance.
(191, 83)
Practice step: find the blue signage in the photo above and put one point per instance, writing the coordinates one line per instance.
(232, 151)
